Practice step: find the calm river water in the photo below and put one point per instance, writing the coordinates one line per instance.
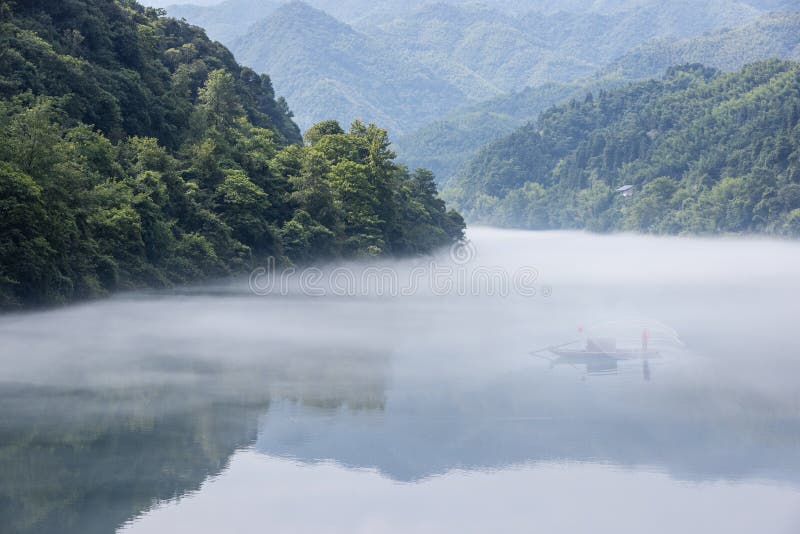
(527, 382)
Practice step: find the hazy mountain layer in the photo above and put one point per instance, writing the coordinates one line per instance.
(407, 64)
(705, 151)
(329, 70)
(447, 143)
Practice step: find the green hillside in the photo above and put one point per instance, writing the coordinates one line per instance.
(447, 144)
(328, 70)
(223, 21)
(511, 52)
(134, 152)
(407, 64)
(707, 152)
(775, 35)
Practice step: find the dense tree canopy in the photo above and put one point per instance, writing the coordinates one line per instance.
(707, 152)
(134, 152)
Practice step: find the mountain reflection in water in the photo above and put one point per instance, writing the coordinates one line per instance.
(219, 410)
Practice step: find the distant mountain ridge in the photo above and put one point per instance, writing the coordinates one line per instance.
(406, 64)
(513, 52)
(226, 20)
(327, 69)
(773, 35)
(447, 143)
(358, 11)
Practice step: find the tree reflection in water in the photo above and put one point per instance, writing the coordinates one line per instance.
(88, 459)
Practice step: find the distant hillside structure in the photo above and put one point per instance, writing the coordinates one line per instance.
(626, 190)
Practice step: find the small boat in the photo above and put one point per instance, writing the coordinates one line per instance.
(600, 354)
(581, 355)
(602, 348)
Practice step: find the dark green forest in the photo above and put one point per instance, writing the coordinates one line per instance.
(135, 152)
(707, 152)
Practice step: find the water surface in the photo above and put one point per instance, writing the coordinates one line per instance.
(215, 409)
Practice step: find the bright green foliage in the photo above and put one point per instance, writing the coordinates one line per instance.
(136, 153)
(321, 129)
(707, 152)
(353, 199)
(124, 68)
(243, 206)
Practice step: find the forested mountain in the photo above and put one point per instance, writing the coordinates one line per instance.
(407, 64)
(223, 21)
(136, 152)
(372, 12)
(124, 69)
(508, 53)
(483, 50)
(329, 70)
(706, 152)
(448, 143)
(775, 35)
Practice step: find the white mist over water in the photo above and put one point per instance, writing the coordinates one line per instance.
(731, 301)
(434, 396)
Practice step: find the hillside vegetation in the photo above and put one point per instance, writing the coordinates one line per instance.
(328, 70)
(707, 152)
(448, 143)
(407, 64)
(509, 52)
(134, 152)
